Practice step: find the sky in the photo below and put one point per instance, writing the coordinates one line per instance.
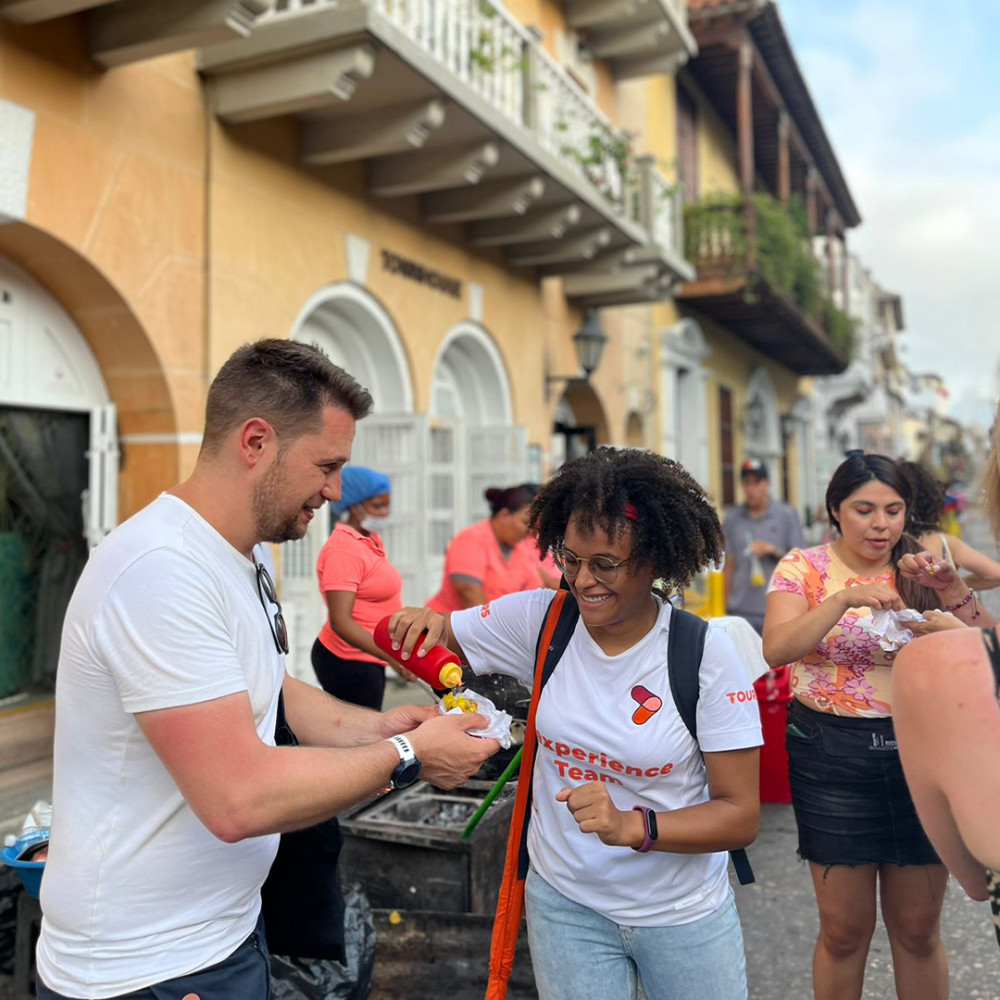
(910, 102)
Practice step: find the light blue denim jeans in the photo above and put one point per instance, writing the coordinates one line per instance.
(577, 954)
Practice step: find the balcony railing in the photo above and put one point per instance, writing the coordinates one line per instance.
(760, 240)
(499, 135)
(486, 49)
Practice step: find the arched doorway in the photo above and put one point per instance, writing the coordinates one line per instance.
(472, 444)
(761, 420)
(58, 475)
(580, 425)
(635, 431)
(352, 328)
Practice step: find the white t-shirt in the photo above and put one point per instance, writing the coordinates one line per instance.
(136, 889)
(591, 726)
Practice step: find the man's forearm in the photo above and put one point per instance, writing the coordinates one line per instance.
(319, 719)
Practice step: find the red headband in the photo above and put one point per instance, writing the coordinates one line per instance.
(631, 514)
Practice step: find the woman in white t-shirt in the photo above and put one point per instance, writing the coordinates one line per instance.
(630, 817)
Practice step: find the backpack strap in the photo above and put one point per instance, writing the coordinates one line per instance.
(685, 648)
(556, 631)
(993, 652)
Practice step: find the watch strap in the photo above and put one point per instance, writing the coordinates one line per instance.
(403, 747)
(649, 829)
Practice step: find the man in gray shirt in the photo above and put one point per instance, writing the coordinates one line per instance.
(758, 533)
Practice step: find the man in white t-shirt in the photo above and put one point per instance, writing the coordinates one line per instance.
(169, 793)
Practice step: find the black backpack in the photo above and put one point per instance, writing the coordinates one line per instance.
(685, 645)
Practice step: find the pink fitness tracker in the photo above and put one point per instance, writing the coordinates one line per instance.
(649, 825)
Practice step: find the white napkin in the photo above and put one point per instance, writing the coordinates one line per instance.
(888, 627)
(499, 721)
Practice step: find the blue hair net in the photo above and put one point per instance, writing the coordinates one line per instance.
(358, 484)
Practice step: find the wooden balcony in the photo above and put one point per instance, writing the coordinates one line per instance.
(758, 278)
(456, 103)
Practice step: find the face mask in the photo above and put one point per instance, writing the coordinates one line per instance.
(374, 525)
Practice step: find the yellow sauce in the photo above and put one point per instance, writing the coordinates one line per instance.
(452, 700)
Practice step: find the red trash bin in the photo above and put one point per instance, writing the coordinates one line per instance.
(773, 695)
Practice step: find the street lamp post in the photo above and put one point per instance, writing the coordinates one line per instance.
(589, 342)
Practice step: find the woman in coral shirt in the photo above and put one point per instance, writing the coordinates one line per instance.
(360, 587)
(486, 560)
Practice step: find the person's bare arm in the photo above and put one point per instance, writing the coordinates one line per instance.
(470, 593)
(240, 787)
(727, 821)
(952, 591)
(340, 608)
(321, 720)
(792, 629)
(947, 722)
(983, 572)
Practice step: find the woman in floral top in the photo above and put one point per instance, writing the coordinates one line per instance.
(857, 826)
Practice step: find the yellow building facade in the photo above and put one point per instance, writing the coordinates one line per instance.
(440, 195)
(434, 194)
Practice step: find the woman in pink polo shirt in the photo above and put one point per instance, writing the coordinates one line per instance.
(549, 574)
(485, 560)
(360, 587)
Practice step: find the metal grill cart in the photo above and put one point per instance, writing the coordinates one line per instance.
(433, 893)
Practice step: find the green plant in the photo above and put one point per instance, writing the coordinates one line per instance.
(486, 54)
(716, 234)
(841, 329)
(715, 230)
(600, 148)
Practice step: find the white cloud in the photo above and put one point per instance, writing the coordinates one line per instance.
(896, 85)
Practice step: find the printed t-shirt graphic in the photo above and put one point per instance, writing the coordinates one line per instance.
(649, 704)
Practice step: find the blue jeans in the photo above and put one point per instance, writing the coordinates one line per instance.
(577, 954)
(245, 975)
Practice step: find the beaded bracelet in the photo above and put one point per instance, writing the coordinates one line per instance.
(970, 596)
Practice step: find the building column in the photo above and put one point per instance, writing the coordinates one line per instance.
(744, 137)
(783, 183)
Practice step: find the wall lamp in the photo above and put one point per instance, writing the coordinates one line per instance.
(589, 342)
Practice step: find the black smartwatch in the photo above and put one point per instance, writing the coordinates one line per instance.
(408, 769)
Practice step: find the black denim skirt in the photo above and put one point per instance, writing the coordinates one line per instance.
(852, 806)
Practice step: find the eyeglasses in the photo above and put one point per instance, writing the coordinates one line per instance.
(267, 593)
(604, 569)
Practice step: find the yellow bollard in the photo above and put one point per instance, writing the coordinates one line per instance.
(716, 603)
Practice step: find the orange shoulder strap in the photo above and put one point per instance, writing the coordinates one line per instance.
(510, 905)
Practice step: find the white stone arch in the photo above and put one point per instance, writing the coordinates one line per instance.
(684, 394)
(45, 361)
(354, 330)
(469, 360)
(474, 443)
(760, 418)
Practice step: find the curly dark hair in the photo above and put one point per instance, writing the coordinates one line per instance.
(924, 512)
(677, 532)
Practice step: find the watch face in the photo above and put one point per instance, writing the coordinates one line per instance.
(406, 773)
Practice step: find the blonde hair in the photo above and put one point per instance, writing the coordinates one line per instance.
(991, 478)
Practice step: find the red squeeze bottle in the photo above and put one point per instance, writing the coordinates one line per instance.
(439, 667)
